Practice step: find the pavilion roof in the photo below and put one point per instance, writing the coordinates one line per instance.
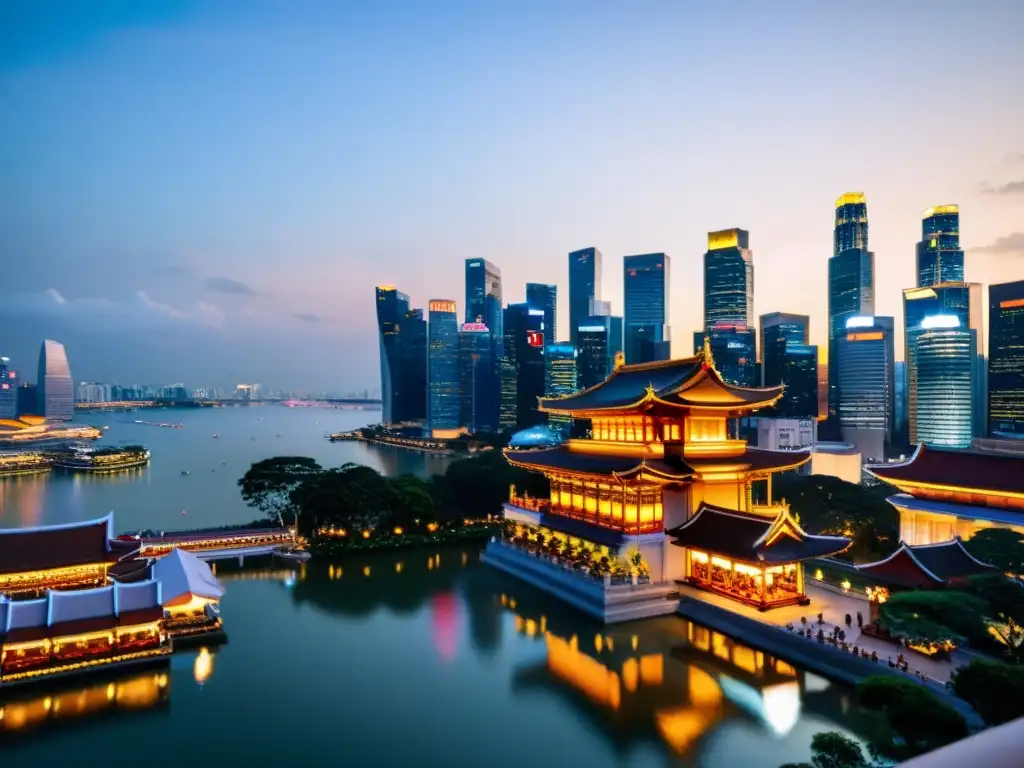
(926, 565)
(607, 465)
(56, 546)
(997, 473)
(753, 538)
(690, 382)
(181, 572)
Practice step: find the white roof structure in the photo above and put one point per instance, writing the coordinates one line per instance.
(181, 573)
(61, 607)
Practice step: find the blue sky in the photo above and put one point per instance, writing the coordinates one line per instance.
(210, 191)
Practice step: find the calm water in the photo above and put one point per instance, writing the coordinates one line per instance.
(419, 658)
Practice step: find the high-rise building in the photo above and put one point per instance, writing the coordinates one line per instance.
(1006, 359)
(777, 330)
(522, 367)
(544, 296)
(960, 300)
(56, 389)
(940, 372)
(483, 297)
(940, 259)
(584, 286)
(560, 379)
(28, 399)
(734, 347)
(478, 381)
(403, 357)
(787, 357)
(599, 308)
(8, 390)
(899, 423)
(444, 402)
(851, 281)
(867, 396)
(599, 340)
(729, 279)
(647, 335)
(414, 366)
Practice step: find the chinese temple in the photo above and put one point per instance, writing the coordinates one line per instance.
(190, 594)
(927, 566)
(949, 493)
(664, 456)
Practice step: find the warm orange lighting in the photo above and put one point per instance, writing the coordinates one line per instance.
(873, 336)
(850, 198)
(1011, 303)
(939, 209)
(202, 668)
(725, 238)
(366, 534)
(441, 305)
(398, 530)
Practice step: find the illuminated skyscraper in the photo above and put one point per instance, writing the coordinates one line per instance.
(544, 296)
(560, 378)
(729, 279)
(939, 256)
(787, 358)
(56, 391)
(444, 401)
(646, 287)
(8, 390)
(478, 380)
(940, 369)
(483, 297)
(584, 286)
(522, 367)
(1006, 359)
(851, 281)
(734, 347)
(599, 340)
(403, 357)
(867, 395)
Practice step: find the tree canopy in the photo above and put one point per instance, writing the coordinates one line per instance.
(1000, 547)
(268, 484)
(830, 749)
(934, 616)
(994, 689)
(913, 720)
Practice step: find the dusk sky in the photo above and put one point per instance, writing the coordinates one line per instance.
(209, 192)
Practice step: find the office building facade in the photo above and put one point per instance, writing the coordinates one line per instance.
(867, 394)
(544, 296)
(403, 357)
(734, 347)
(584, 287)
(1006, 359)
(941, 371)
(444, 398)
(599, 341)
(478, 380)
(647, 335)
(28, 399)
(940, 259)
(788, 358)
(851, 280)
(56, 390)
(560, 378)
(483, 298)
(729, 279)
(522, 367)
(8, 390)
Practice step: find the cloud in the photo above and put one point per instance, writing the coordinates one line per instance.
(306, 317)
(54, 294)
(1008, 244)
(170, 270)
(166, 309)
(1010, 188)
(228, 285)
(140, 309)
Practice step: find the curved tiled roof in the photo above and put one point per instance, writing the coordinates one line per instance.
(561, 458)
(1000, 473)
(627, 384)
(926, 565)
(55, 546)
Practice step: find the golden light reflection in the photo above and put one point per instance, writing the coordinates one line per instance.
(366, 571)
(583, 672)
(399, 567)
(202, 669)
(630, 675)
(652, 669)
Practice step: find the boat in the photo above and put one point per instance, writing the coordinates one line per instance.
(24, 463)
(298, 555)
(185, 472)
(82, 458)
(215, 436)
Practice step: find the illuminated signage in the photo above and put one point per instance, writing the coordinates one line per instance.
(12, 375)
(5, 386)
(474, 328)
(875, 336)
(535, 338)
(726, 238)
(442, 305)
(940, 321)
(850, 198)
(736, 345)
(537, 312)
(860, 322)
(939, 209)
(1008, 304)
(591, 329)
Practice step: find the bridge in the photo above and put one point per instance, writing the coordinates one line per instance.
(218, 544)
(360, 403)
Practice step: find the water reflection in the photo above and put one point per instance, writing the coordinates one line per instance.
(202, 667)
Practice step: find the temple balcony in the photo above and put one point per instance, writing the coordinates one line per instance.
(532, 511)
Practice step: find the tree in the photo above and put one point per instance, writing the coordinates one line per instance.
(352, 494)
(833, 750)
(1000, 547)
(410, 501)
(913, 719)
(268, 484)
(994, 689)
(934, 616)
(1005, 599)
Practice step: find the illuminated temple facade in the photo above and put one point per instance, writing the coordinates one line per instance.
(665, 472)
(949, 493)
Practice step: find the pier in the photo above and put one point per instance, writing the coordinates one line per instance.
(211, 545)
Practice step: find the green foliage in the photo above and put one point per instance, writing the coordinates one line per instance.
(833, 750)
(268, 484)
(937, 616)
(1005, 598)
(352, 495)
(913, 719)
(832, 506)
(1000, 547)
(994, 689)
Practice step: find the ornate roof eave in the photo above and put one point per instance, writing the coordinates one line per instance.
(878, 471)
(904, 550)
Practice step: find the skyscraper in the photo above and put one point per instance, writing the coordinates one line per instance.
(584, 286)
(478, 380)
(940, 372)
(777, 330)
(729, 279)
(8, 390)
(560, 378)
(899, 422)
(403, 357)
(851, 281)
(444, 402)
(1006, 359)
(939, 256)
(960, 300)
(867, 395)
(599, 340)
(544, 296)
(734, 347)
(787, 358)
(56, 391)
(483, 297)
(646, 287)
(414, 366)
(522, 367)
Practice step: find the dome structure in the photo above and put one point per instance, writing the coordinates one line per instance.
(539, 436)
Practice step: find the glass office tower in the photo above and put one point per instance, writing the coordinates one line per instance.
(1006, 359)
(734, 347)
(444, 402)
(560, 378)
(56, 391)
(851, 280)
(940, 373)
(544, 296)
(867, 395)
(777, 330)
(647, 335)
(940, 259)
(584, 287)
(599, 340)
(787, 358)
(8, 390)
(483, 298)
(478, 381)
(729, 279)
(522, 367)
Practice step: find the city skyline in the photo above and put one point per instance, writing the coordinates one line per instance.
(149, 241)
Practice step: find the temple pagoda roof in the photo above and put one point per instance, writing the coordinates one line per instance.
(968, 470)
(753, 538)
(690, 382)
(926, 565)
(57, 546)
(564, 459)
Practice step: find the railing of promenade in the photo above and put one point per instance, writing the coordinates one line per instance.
(544, 505)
